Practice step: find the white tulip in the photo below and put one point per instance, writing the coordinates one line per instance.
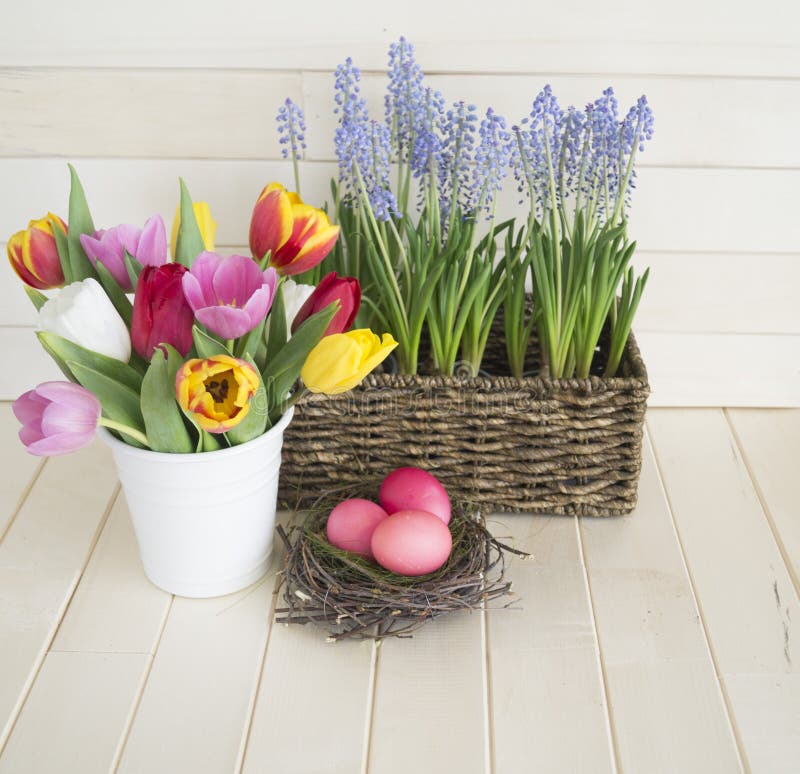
(294, 296)
(84, 314)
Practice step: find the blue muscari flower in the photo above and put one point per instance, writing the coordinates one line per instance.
(635, 130)
(455, 161)
(404, 99)
(571, 153)
(491, 159)
(427, 151)
(589, 152)
(350, 105)
(351, 136)
(603, 173)
(536, 149)
(362, 146)
(376, 172)
(291, 129)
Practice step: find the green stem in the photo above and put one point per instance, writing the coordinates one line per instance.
(120, 428)
(623, 187)
(294, 157)
(292, 399)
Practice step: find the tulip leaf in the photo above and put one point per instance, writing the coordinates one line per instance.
(163, 420)
(283, 370)
(248, 345)
(276, 338)
(118, 298)
(120, 403)
(200, 432)
(293, 354)
(60, 362)
(211, 442)
(63, 351)
(190, 241)
(205, 441)
(206, 345)
(134, 269)
(255, 423)
(38, 299)
(80, 222)
(62, 245)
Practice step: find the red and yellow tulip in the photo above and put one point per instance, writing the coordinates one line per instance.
(297, 235)
(216, 391)
(33, 253)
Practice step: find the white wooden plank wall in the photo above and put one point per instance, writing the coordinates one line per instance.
(135, 99)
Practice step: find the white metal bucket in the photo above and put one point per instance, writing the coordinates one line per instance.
(204, 522)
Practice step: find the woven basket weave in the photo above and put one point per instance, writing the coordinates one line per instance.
(564, 446)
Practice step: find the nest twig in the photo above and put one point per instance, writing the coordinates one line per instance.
(354, 598)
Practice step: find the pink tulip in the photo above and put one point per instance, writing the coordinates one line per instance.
(57, 418)
(147, 245)
(230, 296)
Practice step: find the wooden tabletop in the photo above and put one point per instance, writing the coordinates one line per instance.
(659, 642)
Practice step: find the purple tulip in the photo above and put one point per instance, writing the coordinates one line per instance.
(57, 418)
(147, 245)
(230, 296)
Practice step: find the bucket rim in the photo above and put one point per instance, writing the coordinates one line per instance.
(172, 458)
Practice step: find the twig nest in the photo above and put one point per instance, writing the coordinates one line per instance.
(351, 596)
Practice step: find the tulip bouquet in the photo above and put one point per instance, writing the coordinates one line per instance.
(185, 350)
(417, 198)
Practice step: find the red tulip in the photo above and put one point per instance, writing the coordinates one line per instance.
(345, 290)
(161, 313)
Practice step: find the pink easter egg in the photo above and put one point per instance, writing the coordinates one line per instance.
(411, 542)
(351, 524)
(417, 490)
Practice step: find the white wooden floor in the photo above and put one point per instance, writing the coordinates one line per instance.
(660, 642)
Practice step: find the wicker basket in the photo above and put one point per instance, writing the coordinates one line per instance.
(535, 445)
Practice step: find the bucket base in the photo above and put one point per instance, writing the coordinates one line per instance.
(204, 590)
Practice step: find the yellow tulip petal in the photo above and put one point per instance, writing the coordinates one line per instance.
(378, 354)
(206, 224)
(331, 362)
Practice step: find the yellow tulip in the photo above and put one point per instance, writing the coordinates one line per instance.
(206, 224)
(216, 391)
(339, 362)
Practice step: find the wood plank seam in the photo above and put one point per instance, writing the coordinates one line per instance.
(776, 535)
(734, 728)
(374, 72)
(370, 710)
(126, 730)
(24, 496)
(323, 160)
(251, 707)
(488, 710)
(610, 727)
(49, 639)
(110, 507)
(329, 160)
